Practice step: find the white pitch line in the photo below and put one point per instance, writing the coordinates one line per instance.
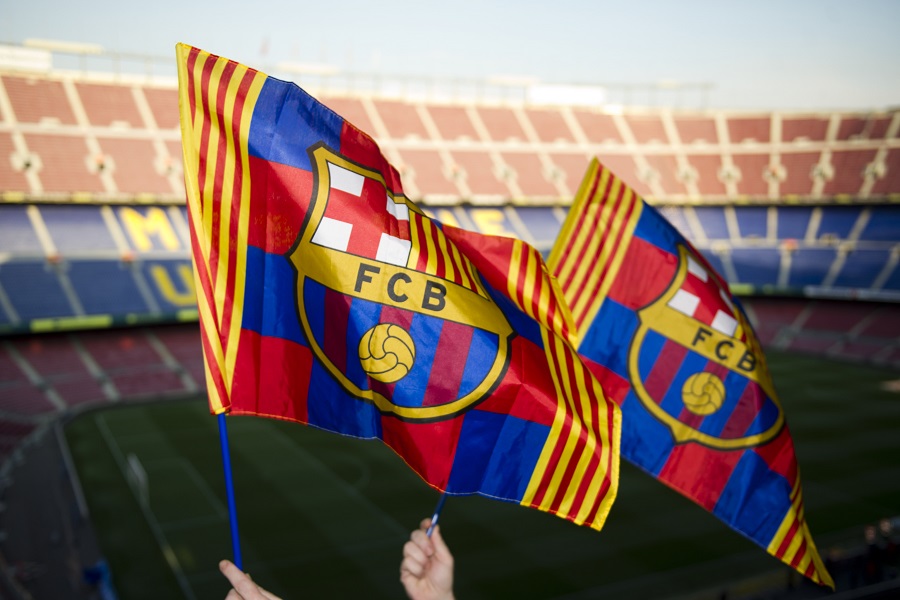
(161, 540)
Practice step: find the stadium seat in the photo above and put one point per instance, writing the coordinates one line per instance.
(453, 123)
(599, 128)
(752, 221)
(78, 229)
(35, 291)
(810, 266)
(38, 100)
(163, 103)
(108, 105)
(756, 266)
(401, 120)
(744, 129)
(501, 124)
(696, 129)
(549, 125)
(107, 287)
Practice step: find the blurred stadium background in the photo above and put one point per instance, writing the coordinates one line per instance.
(111, 481)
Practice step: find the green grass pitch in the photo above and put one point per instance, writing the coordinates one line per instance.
(325, 516)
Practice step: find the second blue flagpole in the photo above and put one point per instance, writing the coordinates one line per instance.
(437, 514)
(229, 492)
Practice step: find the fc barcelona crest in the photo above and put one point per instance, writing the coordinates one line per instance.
(695, 364)
(389, 284)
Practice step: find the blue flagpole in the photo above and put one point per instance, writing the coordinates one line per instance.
(437, 514)
(229, 492)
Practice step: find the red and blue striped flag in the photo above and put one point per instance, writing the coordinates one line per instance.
(326, 297)
(660, 330)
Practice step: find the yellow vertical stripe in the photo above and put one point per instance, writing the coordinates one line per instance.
(583, 218)
(580, 391)
(608, 444)
(563, 389)
(195, 123)
(512, 277)
(431, 263)
(237, 305)
(590, 238)
(212, 158)
(415, 236)
(449, 267)
(191, 128)
(596, 249)
(563, 240)
(457, 259)
(613, 254)
(227, 200)
(210, 197)
(559, 420)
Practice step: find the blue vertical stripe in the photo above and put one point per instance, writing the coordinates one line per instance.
(496, 455)
(333, 409)
(286, 121)
(755, 499)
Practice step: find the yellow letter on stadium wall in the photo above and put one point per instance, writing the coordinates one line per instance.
(155, 223)
(187, 296)
(490, 221)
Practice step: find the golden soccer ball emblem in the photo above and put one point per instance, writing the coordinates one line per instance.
(387, 352)
(703, 393)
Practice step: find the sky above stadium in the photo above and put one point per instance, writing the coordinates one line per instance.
(768, 54)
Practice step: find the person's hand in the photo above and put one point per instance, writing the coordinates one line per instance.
(427, 568)
(243, 587)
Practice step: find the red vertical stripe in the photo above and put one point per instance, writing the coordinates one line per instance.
(219, 182)
(607, 479)
(811, 570)
(603, 229)
(237, 200)
(745, 412)
(801, 552)
(232, 246)
(397, 316)
(205, 129)
(337, 313)
(585, 482)
(217, 376)
(580, 225)
(779, 456)
(619, 234)
(191, 62)
(566, 363)
(687, 469)
(788, 538)
(446, 375)
(664, 370)
(422, 225)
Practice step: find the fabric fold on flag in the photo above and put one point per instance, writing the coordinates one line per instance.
(659, 328)
(328, 298)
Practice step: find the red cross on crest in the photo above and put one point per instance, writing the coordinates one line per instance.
(361, 218)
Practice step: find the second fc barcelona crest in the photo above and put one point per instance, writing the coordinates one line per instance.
(696, 366)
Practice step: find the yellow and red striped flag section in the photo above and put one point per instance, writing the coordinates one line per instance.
(673, 348)
(216, 103)
(577, 473)
(328, 298)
